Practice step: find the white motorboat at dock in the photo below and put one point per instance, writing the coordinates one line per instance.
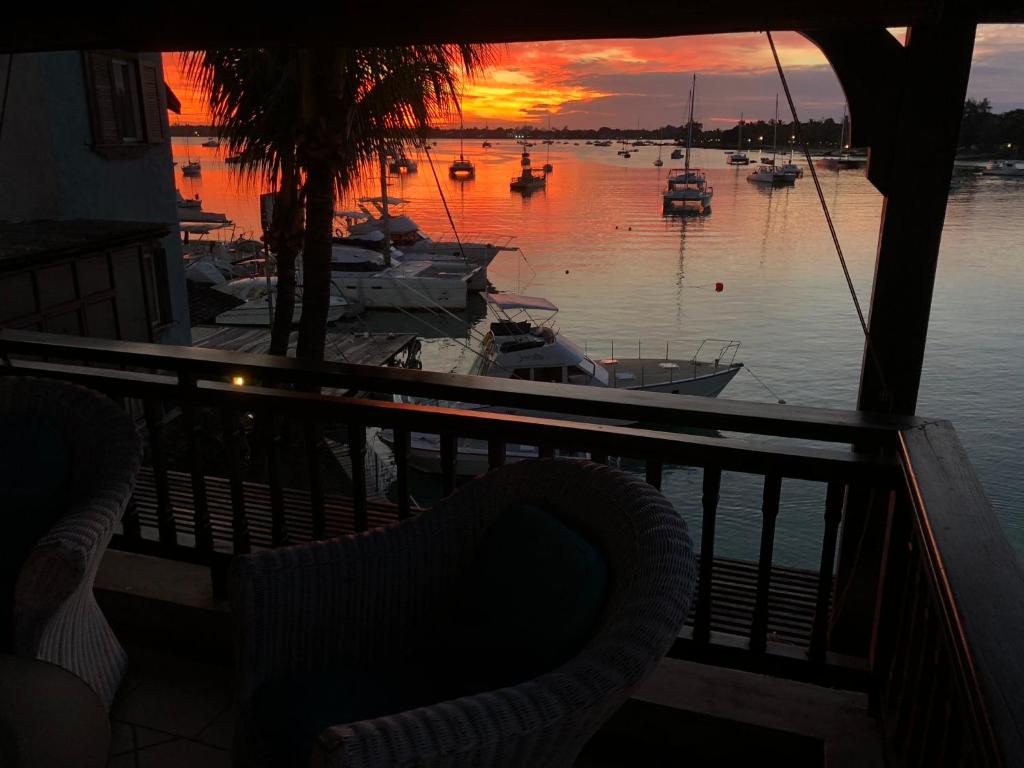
(519, 347)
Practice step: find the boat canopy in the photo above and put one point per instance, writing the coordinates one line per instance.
(510, 301)
(380, 200)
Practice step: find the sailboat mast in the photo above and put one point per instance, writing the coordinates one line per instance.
(775, 131)
(842, 132)
(462, 135)
(689, 127)
(739, 141)
(385, 218)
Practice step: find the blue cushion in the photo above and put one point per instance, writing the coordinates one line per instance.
(529, 603)
(532, 598)
(35, 475)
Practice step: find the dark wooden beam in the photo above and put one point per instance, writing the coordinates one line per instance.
(929, 90)
(345, 25)
(870, 65)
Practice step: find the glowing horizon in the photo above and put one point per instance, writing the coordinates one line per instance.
(616, 83)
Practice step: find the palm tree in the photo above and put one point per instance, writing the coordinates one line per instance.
(253, 96)
(312, 122)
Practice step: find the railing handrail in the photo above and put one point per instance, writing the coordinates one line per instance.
(978, 581)
(828, 425)
(758, 456)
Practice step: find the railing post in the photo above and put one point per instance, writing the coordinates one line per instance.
(164, 510)
(769, 514)
(401, 451)
(709, 502)
(833, 516)
(357, 455)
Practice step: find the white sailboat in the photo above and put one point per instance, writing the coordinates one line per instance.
(687, 189)
(548, 167)
(190, 168)
(766, 172)
(461, 169)
(739, 157)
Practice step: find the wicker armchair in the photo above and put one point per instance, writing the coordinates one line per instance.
(369, 598)
(81, 454)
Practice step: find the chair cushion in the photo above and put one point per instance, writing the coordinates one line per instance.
(530, 601)
(35, 475)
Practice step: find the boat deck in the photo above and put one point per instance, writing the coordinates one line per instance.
(648, 372)
(355, 348)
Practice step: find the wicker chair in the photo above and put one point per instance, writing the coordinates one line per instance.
(368, 598)
(90, 452)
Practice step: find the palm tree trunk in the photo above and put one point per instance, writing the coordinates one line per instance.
(286, 234)
(316, 259)
(284, 307)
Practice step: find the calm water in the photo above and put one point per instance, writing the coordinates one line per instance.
(595, 243)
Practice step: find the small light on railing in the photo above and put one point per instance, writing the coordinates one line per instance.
(238, 381)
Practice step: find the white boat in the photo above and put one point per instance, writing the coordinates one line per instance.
(256, 309)
(686, 188)
(1005, 168)
(407, 285)
(366, 229)
(739, 157)
(767, 172)
(346, 257)
(212, 142)
(516, 348)
(188, 202)
(191, 168)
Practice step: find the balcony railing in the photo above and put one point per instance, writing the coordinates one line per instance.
(942, 669)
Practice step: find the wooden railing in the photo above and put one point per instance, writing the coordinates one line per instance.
(947, 661)
(949, 592)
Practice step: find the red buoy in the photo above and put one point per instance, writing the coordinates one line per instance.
(719, 287)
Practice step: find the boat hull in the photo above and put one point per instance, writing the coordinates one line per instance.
(383, 292)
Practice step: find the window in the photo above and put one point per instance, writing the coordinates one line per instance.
(155, 285)
(548, 374)
(125, 100)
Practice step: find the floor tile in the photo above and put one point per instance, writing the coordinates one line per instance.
(121, 738)
(182, 752)
(221, 731)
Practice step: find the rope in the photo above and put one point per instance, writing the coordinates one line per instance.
(771, 391)
(444, 201)
(872, 354)
(7, 90)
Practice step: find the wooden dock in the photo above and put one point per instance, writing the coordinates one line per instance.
(356, 348)
(734, 584)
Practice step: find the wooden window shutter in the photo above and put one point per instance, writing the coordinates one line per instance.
(101, 99)
(150, 83)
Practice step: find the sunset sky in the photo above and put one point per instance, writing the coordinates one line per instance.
(593, 83)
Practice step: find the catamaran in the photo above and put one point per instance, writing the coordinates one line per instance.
(687, 188)
(767, 172)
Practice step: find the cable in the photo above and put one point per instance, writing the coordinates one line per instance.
(7, 90)
(872, 354)
(444, 201)
(759, 381)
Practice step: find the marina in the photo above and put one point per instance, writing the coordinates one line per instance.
(634, 274)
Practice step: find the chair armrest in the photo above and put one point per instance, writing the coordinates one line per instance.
(539, 722)
(354, 599)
